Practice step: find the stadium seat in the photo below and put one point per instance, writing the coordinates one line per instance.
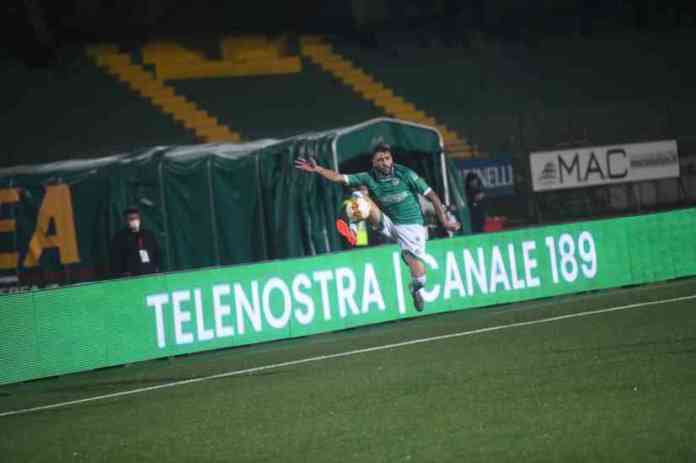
(492, 96)
(77, 111)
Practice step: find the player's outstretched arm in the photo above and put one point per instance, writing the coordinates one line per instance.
(310, 165)
(450, 225)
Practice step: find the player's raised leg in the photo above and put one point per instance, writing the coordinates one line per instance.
(411, 238)
(417, 269)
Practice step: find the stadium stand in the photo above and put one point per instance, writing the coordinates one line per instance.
(278, 104)
(490, 96)
(76, 111)
(553, 92)
(160, 95)
(372, 90)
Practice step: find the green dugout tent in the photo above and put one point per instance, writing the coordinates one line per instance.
(213, 204)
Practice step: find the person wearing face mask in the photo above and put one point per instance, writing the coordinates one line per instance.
(134, 250)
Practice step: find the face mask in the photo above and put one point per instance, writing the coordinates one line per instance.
(134, 225)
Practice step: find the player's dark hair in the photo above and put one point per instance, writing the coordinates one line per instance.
(381, 148)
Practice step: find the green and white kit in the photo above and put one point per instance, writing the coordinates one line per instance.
(397, 197)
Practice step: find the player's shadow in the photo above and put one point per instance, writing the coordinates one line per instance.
(153, 382)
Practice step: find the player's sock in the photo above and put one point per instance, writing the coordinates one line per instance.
(417, 285)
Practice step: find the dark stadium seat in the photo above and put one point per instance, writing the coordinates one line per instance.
(77, 111)
(276, 106)
(564, 89)
(494, 95)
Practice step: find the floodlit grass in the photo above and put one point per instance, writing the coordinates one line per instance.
(612, 386)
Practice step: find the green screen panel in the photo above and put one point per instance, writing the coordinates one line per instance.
(71, 329)
(129, 319)
(681, 231)
(19, 357)
(119, 321)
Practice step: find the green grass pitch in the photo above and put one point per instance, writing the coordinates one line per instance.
(611, 386)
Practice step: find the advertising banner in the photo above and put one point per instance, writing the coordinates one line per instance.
(496, 174)
(92, 325)
(602, 165)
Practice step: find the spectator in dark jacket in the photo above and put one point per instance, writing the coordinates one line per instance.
(474, 199)
(134, 250)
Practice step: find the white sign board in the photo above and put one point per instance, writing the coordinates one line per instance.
(602, 165)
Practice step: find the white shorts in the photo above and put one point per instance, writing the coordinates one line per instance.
(410, 237)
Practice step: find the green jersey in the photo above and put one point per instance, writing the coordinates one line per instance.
(396, 195)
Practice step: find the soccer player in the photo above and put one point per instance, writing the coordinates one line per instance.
(395, 189)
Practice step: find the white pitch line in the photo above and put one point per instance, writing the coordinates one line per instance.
(343, 354)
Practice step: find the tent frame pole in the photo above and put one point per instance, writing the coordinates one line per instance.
(213, 211)
(445, 180)
(262, 212)
(165, 218)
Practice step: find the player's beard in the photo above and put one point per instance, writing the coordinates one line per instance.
(388, 172)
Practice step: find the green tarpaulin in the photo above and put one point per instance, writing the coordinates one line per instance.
(213, 204)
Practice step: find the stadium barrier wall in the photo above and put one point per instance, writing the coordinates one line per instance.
(57, 331)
